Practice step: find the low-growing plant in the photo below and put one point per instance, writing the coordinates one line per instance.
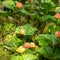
(30, 30)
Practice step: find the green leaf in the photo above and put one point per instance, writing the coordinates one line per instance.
(4, 13)
(12, 41)
(24, 12)
(46, 39)
(46, 51)
(49, 52)
(57, 9)
(8, 27)
(48, 1)
(16, 42)
(29, 29)
(45, 18)
(53, 28)
(45, 1)
(9, 4)
(24, 57)
(56, 53)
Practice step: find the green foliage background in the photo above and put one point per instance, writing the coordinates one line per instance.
(37, 18)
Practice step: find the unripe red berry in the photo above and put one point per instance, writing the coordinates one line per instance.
(57, 16)
(32, 45)
(19, 4)
(57, 34)
(22, 31)
(26, 45)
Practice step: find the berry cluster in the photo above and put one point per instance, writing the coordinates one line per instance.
(21, 49)
(31, 45)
